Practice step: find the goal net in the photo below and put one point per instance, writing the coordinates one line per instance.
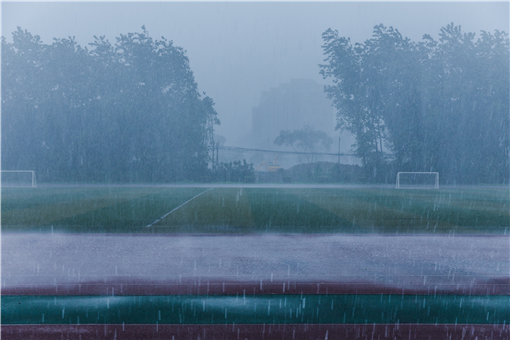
(417, 180)
(18, 178)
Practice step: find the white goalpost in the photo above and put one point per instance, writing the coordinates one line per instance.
(417, 180)
(18, 178)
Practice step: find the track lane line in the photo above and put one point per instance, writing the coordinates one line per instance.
(168, 213)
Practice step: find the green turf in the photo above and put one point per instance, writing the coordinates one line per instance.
(256, 309)
(344, 210)
(88, 209)
(255, 210)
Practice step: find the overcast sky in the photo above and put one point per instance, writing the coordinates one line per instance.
(239, 49)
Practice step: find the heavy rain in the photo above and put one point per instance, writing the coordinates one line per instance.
(239, 170)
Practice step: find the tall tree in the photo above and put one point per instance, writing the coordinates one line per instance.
(437, 106)
(128, 111)
(306, 140)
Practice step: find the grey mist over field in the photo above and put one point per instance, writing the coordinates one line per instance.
(238, 50)
(255, 71)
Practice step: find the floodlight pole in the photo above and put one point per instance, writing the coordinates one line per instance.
(339, 149)
(217, 152)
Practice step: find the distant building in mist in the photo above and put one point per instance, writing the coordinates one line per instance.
(290, 106)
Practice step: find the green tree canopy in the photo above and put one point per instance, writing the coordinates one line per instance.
(307, 140)
(123, 112)
(433, 105)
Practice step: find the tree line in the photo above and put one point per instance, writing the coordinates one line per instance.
(131, 111)
(123, 112)
(424, 106)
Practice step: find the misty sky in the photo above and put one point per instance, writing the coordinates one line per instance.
(237, 50)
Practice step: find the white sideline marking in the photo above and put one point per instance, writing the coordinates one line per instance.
(168, 213)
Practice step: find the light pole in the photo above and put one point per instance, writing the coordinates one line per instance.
(339, 149)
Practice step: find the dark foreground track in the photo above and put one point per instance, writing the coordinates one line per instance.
(249, 332)
(129, 286)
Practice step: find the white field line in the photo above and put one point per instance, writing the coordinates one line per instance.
(168, 213)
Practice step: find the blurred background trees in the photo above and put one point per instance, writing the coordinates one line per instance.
(424, 106)
(307, 140)
(123, 112)
(131, 111)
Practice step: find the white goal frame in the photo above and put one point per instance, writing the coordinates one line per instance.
(22, 171)
(436, 181)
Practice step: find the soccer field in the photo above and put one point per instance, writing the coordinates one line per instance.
(255, 210)
(254, 262)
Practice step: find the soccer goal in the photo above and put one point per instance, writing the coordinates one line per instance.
(18, 178)
(417, 180)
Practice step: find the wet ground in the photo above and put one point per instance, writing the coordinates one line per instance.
(473, 264)
(258, 286)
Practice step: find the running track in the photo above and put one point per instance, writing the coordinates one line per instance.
(110, 266)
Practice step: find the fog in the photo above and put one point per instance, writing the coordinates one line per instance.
(217, 156)
(239, 50)
(347, 92)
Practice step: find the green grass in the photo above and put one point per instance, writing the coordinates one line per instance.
(255, 210)
(258, 309)
(88, 209)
